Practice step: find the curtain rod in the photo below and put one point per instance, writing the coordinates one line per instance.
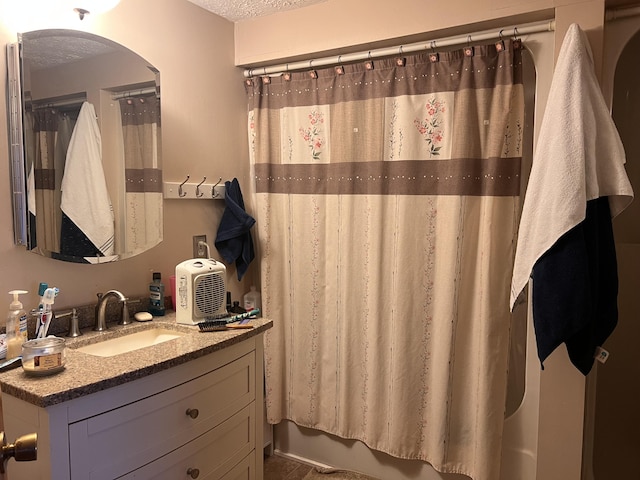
(134, 93)
(622, 12)
(61, 103)
(548, 26)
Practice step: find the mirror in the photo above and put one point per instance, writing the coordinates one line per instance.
(85, 147)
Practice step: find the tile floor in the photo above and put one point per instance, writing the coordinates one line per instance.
(280, 468)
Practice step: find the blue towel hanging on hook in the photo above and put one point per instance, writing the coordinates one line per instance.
(233, 239)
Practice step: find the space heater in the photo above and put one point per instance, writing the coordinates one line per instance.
(200, 290)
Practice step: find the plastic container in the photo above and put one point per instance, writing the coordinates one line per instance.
(43, 356)
(252, 300)
(16, 318)
(156, 296)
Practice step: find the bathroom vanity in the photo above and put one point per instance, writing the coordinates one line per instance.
(191, 407)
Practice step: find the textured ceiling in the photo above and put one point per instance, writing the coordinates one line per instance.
(235, 10)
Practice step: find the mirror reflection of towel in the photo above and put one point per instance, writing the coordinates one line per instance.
(233, 240)
(85, 199)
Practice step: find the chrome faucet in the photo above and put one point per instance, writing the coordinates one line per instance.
(101, 322)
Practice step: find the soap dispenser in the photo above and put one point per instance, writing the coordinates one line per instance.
(16, 317)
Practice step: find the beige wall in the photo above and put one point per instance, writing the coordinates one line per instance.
(203, 133)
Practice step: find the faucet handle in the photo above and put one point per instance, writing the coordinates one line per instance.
(125, 320)
(74, 327)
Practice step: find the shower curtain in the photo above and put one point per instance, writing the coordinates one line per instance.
(48, 143)
(143, 174)
(387, 202)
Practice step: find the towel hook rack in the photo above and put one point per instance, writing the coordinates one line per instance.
(215, 194)
(182, 193)
(198, 192)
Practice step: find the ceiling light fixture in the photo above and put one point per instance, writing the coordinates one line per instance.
(93, 6)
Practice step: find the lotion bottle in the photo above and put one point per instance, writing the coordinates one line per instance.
(16, 317)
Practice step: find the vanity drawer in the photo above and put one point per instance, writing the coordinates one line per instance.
(225, 453)
(123, 439)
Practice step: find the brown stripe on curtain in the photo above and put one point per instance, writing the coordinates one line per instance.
(492, 176)
(143, 180)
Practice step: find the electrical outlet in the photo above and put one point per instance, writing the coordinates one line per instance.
(199, 251)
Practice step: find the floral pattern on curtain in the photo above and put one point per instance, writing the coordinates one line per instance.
(141, 130)
(387, 207)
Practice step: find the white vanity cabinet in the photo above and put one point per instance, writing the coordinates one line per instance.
(200, 419)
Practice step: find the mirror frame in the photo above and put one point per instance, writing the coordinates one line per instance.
(16, 143)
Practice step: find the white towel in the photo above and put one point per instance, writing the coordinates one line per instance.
(85, 199)
(579, 157)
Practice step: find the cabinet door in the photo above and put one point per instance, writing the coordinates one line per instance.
(225, 453)
(116, 442)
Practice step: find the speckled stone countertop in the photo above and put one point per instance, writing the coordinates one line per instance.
(85, 374)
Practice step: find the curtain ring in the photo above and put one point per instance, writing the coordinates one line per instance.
(500, 34)
(182, 193)
(198, 192)
(433, 44)
(515, 33)
(468, 39)
(400, 50)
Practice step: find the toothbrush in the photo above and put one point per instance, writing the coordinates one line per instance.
(48, 299)
(41, 289)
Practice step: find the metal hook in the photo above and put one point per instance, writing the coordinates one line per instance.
(198, 192)
(400, 50)
(182, 193)
(213, 189)
(515, 33)
(468, 39)
(500, 34)
(433, 44)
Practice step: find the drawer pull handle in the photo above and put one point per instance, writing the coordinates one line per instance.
(193, 472)
(193, 413)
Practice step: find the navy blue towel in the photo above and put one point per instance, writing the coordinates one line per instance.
(575, 289)
(233, 240)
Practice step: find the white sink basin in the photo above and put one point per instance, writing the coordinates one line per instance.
(131, 342)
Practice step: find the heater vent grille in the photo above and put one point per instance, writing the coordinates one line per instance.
(209, 294)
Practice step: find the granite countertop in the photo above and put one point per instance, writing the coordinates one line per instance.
(85, 374)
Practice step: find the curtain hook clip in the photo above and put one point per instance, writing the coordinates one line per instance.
(517, 42)
(400, 61)
(198, 192)
(500, 47)
(214, 194)
(339, 69)
(433, 56)
(468, 50)
(182, 193)
(368, 65)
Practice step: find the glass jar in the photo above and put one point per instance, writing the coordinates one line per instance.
(43, 356)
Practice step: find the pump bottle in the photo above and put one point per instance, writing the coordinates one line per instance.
(16, 317)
